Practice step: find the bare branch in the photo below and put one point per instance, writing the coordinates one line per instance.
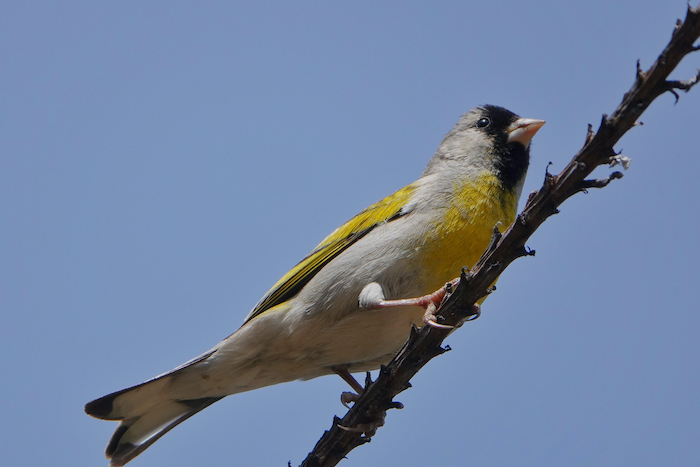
(598, 183)
(368, 413)
(682, 85)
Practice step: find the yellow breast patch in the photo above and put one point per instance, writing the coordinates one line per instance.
(464, 230)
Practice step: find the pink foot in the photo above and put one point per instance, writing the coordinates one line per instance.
(372, 298)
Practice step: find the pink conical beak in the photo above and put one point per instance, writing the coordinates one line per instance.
(523, 129)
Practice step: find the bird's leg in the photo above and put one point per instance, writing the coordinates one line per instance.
(367, 429)
(372, 298)
(347, 397)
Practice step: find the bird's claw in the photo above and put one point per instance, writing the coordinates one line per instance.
(430, 318)
(347, 398)
(476, 312)
(367, 429)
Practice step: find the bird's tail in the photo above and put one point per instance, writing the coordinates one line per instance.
(146, 411)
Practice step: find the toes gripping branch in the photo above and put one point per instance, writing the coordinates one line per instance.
(372, 298)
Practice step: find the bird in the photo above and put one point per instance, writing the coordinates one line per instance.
(349, 305)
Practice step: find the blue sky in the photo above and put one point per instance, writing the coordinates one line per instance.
(162, 164)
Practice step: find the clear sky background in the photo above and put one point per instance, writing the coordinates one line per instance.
(162, 164)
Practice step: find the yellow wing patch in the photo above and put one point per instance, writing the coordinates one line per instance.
(386, 210)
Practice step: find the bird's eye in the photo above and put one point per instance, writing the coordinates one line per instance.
(483, 122)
